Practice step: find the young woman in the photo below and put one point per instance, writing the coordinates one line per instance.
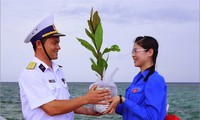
(145, 98)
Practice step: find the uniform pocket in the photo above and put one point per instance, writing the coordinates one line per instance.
(53, 86)
(64, 83)
(136, 93)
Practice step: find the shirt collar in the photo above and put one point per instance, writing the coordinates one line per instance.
(140, 77)
(55, 67)
(144, 73)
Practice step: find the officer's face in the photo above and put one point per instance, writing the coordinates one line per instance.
(52, 47)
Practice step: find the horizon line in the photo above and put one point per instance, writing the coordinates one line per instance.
(94, 82)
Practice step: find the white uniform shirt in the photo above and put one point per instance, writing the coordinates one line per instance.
(42, 85)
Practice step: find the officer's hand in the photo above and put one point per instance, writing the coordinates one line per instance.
(94, 96)
(91, 112)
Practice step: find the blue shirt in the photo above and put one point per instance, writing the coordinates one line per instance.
(145, 100)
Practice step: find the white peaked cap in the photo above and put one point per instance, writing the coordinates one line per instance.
(45, 28)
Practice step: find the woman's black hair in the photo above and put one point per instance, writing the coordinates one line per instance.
(148, 42)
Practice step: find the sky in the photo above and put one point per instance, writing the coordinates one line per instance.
(174, 23)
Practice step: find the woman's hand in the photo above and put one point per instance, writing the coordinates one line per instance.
(114, 101)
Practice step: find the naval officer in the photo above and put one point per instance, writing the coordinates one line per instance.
(43, 88)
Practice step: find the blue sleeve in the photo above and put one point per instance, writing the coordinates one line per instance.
(119, 109)
(154, 103)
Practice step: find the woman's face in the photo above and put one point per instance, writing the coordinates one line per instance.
(140, 56)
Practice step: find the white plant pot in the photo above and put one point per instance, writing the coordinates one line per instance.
(101, 108)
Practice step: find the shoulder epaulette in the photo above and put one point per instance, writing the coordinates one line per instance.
(31, 66)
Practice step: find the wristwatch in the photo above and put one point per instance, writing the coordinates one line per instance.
(120, 99)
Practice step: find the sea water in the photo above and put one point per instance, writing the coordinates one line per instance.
(183, 98)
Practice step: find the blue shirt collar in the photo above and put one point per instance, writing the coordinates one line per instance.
(140, 75)
(144, 73)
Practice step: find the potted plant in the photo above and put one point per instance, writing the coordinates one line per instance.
(99, 64)
(95, 33)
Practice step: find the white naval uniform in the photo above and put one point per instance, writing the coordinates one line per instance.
(42, 85)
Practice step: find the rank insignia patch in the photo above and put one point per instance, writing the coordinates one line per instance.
(31, 66)
(42, 67)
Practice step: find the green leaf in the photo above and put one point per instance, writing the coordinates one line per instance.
(107, 62)
(106, 65)
(91, 36)
(90, 26)
(112, 48)
(99, 37)
(106, 50)
(87, 45)
(92, 61)
(96, 68)
(96, 20)
(115, 48)
(102, 64)
(91, 13)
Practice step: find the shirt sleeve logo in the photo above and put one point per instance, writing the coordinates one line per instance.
(136, 90)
